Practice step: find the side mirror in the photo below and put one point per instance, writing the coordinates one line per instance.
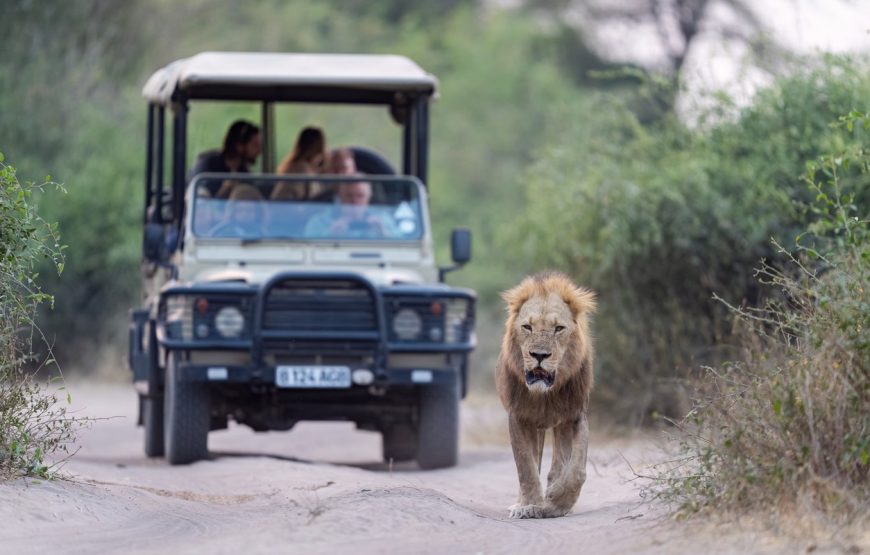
(460, 251)
(460, 245)
(154, 242)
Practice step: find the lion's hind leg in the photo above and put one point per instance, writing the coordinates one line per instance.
(562, 442)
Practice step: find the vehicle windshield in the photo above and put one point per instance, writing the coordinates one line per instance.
(306, 207)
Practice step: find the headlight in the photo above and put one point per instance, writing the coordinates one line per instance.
(407, 324)
(455, 317)
(428, 320)
(229, 322)
(206, 317)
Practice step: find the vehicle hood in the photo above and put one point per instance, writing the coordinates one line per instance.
(261, 273)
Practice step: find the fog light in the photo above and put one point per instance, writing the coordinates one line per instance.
(363, 376)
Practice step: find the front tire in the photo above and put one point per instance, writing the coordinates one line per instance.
(186, 416)
(438, 440)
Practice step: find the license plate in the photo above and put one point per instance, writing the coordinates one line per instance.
(312, 376)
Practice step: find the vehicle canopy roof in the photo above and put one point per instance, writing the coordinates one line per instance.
(352, 78)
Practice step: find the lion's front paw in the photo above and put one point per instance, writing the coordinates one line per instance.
(550, 510)
(526, 511)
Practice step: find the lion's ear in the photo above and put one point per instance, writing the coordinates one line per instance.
(585, 300)
(516, 296)
(513, 298)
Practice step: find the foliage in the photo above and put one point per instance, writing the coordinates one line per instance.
(497, 87)
(658, 218)
(546, 170)
(791, 423)
(32, 423)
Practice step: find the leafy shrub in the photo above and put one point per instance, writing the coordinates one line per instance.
(791, 423)
(658, 218)
(32, 423)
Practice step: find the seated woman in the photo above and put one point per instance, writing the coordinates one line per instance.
(308, 156)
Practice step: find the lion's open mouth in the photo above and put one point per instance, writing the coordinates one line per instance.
(538, 374)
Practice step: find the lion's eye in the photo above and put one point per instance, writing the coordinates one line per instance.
(559, 328)
(527, 327)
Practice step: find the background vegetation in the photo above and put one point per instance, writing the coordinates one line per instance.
(790, 423)
(660, 217)
(33, 424)
(550, 164)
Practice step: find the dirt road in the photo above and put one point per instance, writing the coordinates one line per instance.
(320, 488)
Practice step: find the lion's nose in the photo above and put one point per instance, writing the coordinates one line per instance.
(540, 356)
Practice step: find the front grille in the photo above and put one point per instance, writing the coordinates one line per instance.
(356, 354)
(319, 306)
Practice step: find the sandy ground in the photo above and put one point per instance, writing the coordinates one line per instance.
(321, 488)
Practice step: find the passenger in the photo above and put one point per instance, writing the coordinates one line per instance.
(340, 162)
(242, 146)
(352, 216)
(244, 215)
(308, 154)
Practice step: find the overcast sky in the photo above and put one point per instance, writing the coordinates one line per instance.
(802, 26)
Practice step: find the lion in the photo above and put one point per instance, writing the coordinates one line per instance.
(544, 378)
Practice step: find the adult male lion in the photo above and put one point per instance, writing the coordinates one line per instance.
(544, 377)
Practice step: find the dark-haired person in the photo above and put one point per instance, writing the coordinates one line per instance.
(242, 146)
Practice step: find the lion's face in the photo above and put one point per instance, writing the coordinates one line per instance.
(544, 327)
(547, 327)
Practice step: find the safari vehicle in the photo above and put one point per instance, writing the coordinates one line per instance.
(265, 311)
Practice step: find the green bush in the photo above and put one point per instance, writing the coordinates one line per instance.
(790, 425)
(33, 425)
(658, 218)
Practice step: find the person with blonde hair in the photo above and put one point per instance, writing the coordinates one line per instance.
(308, 155)
(340, 162)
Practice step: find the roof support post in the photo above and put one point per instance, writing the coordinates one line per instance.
(161, 142)
(422, 145)
(408, 142)
(149, 161)
(179, 155)
(267, 132)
